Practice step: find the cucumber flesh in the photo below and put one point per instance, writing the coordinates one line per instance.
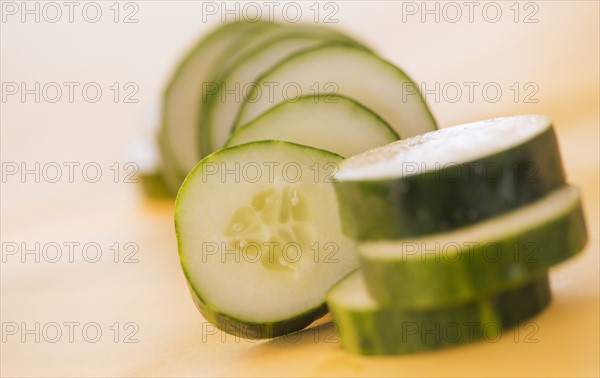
(178, 137)
(223, 105)
(459, 265)
(259, 237)
(452, 145)
(348, 70)
(329, 122)
(448, 178)
(184, 91)
(366, 327)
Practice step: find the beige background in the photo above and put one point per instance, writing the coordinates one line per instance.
(558, 55)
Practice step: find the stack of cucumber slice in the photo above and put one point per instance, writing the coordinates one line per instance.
(257, 221)
(252, 78)
(456, 231)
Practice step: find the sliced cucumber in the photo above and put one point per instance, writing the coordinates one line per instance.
(178, 138)
(329, 122)
(459, 265)
(366, 327)
(448, 178)
(222, 106)
(259, 237)
(153, 184)
(348, 70)
(168, 170)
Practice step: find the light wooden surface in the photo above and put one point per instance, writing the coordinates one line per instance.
(558, 54)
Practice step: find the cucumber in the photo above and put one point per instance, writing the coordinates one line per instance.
(177, 139)
(168, 170)
(366, 327)
(342, 68)
(448, 178)
(153, 184)
(222, 106)
(329, 122)
(459, 265)
(259, 237)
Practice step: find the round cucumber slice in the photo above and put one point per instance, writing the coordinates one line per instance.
(345, 69)
(366, 327)
(459, 265)
(259, 237)
(448, 178)
(222, 106)
(180, 112)
(329, 122)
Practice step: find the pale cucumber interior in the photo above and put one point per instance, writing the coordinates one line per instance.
(552, 206)
(330, 122)
(346, 70)
(279, 243)
(239, 80)
(351, 293)
(441, 148)
(184, 93)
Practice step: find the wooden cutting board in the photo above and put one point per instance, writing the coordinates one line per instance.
(119, 306)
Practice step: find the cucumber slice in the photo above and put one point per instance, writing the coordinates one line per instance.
(448, 178)
(259, 237)
(178, 137)
(459, 265)
(238, 80)
(329, 122)
(348, 70)
(153, 184)
(366, 327)
(170, 174)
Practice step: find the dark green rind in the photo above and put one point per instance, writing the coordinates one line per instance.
(435, 201)
(253, 330)
(429, 280)
(392, 331)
